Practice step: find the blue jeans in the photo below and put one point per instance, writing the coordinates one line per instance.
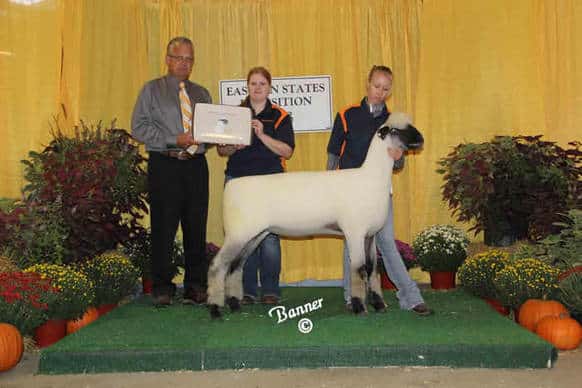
(266, 259)
(408, 292)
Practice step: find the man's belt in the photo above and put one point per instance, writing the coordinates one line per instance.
(181, 155)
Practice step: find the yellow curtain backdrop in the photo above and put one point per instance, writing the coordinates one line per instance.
(464, 70)
(492, 68)
(29, 79)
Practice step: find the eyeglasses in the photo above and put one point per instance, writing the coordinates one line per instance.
(182, 59)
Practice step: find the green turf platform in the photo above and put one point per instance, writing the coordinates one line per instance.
(464, 332)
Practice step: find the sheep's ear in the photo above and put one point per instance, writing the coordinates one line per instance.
(383, 131)
(410, 137)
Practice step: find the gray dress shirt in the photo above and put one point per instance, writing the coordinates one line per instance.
(157, 118)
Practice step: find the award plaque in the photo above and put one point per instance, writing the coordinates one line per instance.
(222, 124)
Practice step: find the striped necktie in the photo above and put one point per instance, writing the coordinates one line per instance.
(186, 108)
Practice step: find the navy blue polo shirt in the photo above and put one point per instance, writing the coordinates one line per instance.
(257, 159)
(352, 133)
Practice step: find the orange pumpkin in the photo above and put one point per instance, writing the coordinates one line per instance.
(533, 310)
(11, 346)
(563, 332)
(90, 315)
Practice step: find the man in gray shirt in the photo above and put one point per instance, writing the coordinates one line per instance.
(177, 173)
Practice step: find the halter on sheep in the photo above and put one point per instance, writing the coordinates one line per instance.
(352, 201)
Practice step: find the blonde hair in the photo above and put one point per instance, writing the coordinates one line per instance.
(381, 68)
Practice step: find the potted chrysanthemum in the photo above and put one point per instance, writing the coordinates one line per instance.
(24, 300)
(525, 279)
(75, 295)
(114, 277)
(440, 250)
(476, 275)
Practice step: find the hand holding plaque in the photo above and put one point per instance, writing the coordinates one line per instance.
(222, 124)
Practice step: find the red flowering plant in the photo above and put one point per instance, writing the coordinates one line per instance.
(24, 300)
(406, 252)
(98, 179)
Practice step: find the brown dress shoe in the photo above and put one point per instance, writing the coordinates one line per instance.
(422, 310)
(247, 299)
(162, 300)
(270, 299)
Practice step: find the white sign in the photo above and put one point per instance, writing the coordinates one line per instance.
(307, 99)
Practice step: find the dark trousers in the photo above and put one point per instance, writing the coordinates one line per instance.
(178, 194)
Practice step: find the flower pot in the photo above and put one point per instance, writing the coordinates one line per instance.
(499, 232)
(50, 332)
(442, 280)
(386, 282)
(495, 304)
(90, 315)
(147, 285)
(105, 308)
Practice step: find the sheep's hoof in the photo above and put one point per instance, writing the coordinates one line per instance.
(233, 303)
(377, 302)
(214, 311)
(357, 306)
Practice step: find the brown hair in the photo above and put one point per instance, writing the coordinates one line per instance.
(259, 70)
(382, 68)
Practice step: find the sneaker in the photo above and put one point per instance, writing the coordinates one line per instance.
(247, 299)
(421, 310)
(194, 296)
(269, 299)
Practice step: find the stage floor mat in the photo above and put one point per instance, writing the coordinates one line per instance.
(463, 332)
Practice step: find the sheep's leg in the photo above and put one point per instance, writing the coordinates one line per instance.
(234, 288)
(375, 294)
(358, 272)
(217, 275)
(234, 293)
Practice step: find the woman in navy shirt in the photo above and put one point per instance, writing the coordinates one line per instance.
(272, 143)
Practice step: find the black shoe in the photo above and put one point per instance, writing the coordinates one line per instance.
(194, 296)
(422, 310)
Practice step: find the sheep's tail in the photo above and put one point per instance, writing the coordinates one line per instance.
(247, 250)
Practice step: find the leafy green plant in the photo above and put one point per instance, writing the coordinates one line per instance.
(518, 184)
(98, 178)
(8, 204)
(35, 234)
(113, 276)
(525, 279)
(440, 248)
(563, 249)
(139, 251)
(570, 293)
(76, 293)
(478, 271)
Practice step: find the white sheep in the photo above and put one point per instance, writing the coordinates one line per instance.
(350, 202)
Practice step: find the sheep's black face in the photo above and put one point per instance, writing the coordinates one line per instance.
(410, 137)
